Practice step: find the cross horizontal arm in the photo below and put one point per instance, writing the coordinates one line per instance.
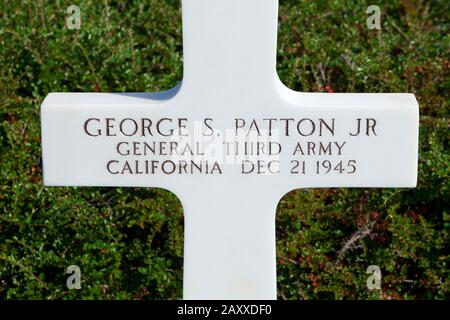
(379, 132)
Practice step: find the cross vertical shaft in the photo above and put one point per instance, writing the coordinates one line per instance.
(230, 243)
(235, 32)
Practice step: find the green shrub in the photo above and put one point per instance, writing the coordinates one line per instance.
(129, 242)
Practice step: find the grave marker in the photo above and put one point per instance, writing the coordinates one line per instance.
(230, 141)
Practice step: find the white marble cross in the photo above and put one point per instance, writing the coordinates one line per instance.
(230, 141)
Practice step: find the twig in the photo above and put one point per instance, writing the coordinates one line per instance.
(399, 30)
(25, 269)
(349, 61)
(360, 234)
(322, 72)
